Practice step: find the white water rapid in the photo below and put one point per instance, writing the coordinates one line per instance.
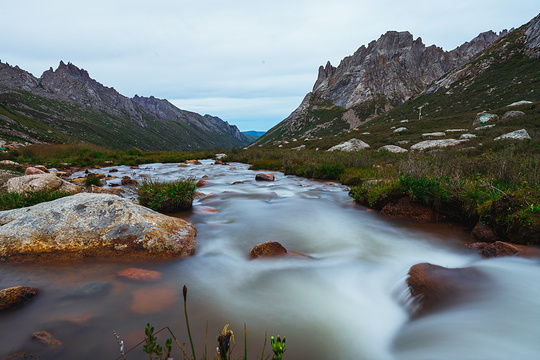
(347, 299)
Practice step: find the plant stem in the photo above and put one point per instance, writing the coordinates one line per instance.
(184, 291)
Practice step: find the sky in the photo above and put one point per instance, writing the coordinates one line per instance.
(248, 62)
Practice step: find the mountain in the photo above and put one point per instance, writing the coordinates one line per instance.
(67, 105)
(253, 135)
(373, 80)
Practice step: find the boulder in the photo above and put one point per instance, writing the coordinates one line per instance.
(301, 147)
(349, 146)
(484, 233)
(432, 144)
(435, 287)
(16, 296)
(406, 209)
(192, 162)
(485, 127)
(33, 171)
(264, 177)
(400, 129)
(392, 149)
(218, 162)
(92, 225)
(484, 118)
(9, 163)
(268, 249)
(512, 114)
(42, 168)
(33, 183)
(467, 136)
(141, 275)
(433, 135)
(522, 102)
(514, 135)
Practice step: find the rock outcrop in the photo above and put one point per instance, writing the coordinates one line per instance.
(92, 225)
(373, 80)
(434, 144)
(407, 209)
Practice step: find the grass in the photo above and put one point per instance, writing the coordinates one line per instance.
(167, 196)
(15, 200)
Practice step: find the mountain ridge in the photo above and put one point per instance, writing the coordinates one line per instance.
(74, 107)
(375, 79)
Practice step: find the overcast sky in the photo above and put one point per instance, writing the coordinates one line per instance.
(248, 62)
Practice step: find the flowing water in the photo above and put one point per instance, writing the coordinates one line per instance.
(346, 299)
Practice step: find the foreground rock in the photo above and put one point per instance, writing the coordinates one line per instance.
(38, 182)
(92, 225)
(406, 209)
(349, 146)
(16, 296)
(268, 249)
(435, 286)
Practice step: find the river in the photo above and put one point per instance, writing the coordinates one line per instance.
(346, 299)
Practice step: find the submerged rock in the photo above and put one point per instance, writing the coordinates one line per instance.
(98, 225)
(16, 296)
(435, 286)
(91, 290)
(496, 249)
(143, 275)
(46, 338)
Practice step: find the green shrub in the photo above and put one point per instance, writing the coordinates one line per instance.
(15, 200)
(92, 180)
(167, 196)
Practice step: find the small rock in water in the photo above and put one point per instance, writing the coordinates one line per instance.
(140, 275)
(268, 249)
(98, 288)
(15, 296)
(201, 183)
(264, 177)
(154, 299)
(46, 338)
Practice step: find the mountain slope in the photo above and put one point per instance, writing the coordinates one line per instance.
(372, 81)
(66, 105)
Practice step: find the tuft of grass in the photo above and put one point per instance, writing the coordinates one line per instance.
(167, 196)
(15, 200)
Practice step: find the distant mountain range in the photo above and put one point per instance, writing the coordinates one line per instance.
(392, 71)
(66, 106)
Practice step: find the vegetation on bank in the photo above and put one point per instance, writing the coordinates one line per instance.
(499, 186)
(167, 196)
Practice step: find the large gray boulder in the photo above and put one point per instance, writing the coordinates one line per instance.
(432, 144)
(38, 182)
(514, 135)
(485, 119)
(349, 146)
(392, 149)
(95, 225)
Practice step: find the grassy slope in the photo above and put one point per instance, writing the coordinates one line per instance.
(54, 121)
